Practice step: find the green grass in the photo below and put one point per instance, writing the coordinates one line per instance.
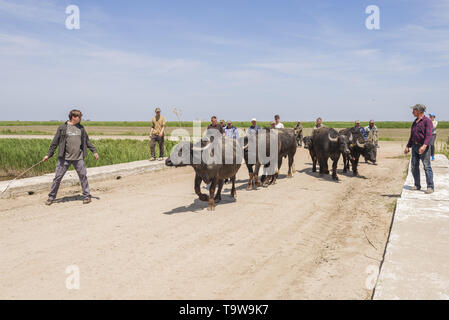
(22, 132)
(17, 155)
(443, 148)
(243, 124)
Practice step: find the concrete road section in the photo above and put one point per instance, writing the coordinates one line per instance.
(416, 262)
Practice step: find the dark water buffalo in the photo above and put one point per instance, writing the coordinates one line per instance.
(308, 144)
(358, 146)
(328, 143)
(188, 154)
(286, 147)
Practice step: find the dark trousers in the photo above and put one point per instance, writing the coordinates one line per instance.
(432, 145)
(160, 141)
(425, 158)
(60, 171)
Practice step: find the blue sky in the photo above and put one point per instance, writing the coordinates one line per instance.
(234, 59)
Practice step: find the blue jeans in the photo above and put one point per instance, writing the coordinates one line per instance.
(425, 158)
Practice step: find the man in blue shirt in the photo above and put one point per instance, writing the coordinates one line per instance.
(362, 130)
(231, 131)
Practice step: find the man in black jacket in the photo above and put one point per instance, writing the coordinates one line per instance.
(72, 142)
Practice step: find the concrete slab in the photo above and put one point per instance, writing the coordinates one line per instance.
(416, 263)
(41, 183)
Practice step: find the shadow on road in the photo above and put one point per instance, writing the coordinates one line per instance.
(322, 177)
(199, 205)
(78, 197)
(391, 195)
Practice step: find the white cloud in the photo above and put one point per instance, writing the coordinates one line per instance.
(43, 11)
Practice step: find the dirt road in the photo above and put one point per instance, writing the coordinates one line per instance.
(148, 236)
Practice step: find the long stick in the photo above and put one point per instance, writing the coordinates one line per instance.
(7, 186)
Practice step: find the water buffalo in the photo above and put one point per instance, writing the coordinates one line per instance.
(328, 143)
(213, 172)
(358, 146)
(308, 144)
(287, 145)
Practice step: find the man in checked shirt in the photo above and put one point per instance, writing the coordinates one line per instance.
(420, 139)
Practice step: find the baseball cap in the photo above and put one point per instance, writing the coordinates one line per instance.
(157, 110)
(432, 115)
(253, 119)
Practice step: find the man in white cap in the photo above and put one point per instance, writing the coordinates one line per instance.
(254, 127)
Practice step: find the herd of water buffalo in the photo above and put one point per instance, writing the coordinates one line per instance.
(324, 143)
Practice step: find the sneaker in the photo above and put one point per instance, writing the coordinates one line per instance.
(49, 201)
(429, 190)
(87, 200)
(160, 158)
(415, 188)
(152, 159)
(433, 158)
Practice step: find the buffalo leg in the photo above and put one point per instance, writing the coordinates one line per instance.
(273, 180)
(355, 164)
(334, 168)
(217, 197)
(345, 163)
(202, 196)
(211, 194)
(256, 175)
(290, 165)
(250, 181)
(233, 190)
(266, 177)
(314, 161)
(323, 166)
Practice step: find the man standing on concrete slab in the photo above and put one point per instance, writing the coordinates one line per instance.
(72, 142)
(420, 139)
(157, 134)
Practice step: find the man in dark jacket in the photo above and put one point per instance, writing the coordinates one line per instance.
(420, 139)
(72, 142)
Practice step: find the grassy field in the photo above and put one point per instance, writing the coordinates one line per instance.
(19, 154)
(243, 124)
(443, 148)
